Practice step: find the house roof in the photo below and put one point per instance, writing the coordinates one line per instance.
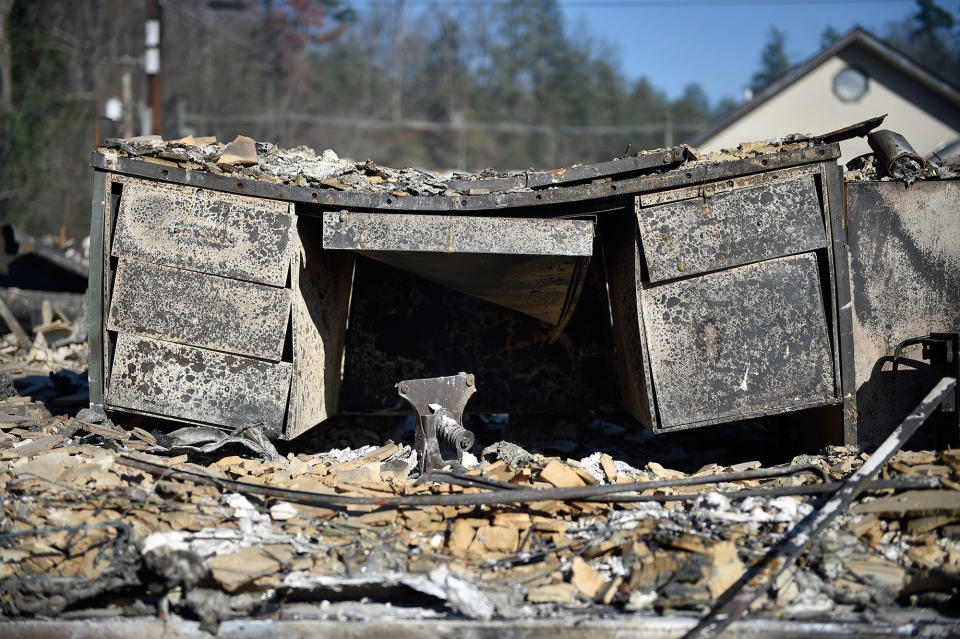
(857, 36)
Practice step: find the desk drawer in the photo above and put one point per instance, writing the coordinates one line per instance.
(731, 228)
(200, 310)
(196, 384)
(228, 235)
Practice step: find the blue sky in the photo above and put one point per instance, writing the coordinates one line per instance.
(717, 43)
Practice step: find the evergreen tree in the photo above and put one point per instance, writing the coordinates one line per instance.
(773, 61)
(931, 37)
(828, 37)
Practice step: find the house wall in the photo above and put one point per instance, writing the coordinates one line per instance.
(809, 105)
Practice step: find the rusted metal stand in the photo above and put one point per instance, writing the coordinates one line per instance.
(439, 402)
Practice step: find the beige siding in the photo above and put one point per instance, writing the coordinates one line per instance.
(809, 106)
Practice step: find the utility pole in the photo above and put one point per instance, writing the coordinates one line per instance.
(396, 98)
(126, 95)
(151, 65)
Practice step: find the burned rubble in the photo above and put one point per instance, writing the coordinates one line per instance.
(302, 166)
(110, 520)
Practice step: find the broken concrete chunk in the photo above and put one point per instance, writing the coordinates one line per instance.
(878, 572)
(609, 469)
(283, 511)
(927, 556)
(242, 151)
(498, 539)
(922, 525)
(368, 473)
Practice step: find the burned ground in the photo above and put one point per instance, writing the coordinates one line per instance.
(87, 534)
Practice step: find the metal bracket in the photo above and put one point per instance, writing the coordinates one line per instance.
(943, 352)
(439, 402)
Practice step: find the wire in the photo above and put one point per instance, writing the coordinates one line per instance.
(666, 4)
(425, 125)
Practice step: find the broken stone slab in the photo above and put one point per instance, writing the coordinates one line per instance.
(664, 473)
(915, 503)
(552, 593)
(922, 525)
(586, 579)
(561, 475)
(609, 468)
(878, 573)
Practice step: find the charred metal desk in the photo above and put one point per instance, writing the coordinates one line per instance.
(222, 301)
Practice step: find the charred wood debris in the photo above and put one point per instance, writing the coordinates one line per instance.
(108, 520)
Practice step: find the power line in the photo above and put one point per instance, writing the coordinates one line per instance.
(671, 4)
(426, 125)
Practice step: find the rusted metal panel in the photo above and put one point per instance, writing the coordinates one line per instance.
(534, 266)
(839, 296)
(697, 173)
(641, 161)
(739, 343)
(403, 327)
(904, 248)
(729, 184)
(542, 287)
(115, 190)
(230, 235)
(624, 275)
(321, 293)
(198, 309)
(731, 228)
(456, 234)
(196, 384)
(95, 311)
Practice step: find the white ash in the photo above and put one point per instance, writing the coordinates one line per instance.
(343, 455)
(302, 160)
(591, 464)
(618, 520)
(610, 566)
(640, 600)
(717, 507)
(779, 509)
(283, 511)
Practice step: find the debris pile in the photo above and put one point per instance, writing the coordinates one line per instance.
(865, 168)
(98, 515)
(299, 166)
(302, 166)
